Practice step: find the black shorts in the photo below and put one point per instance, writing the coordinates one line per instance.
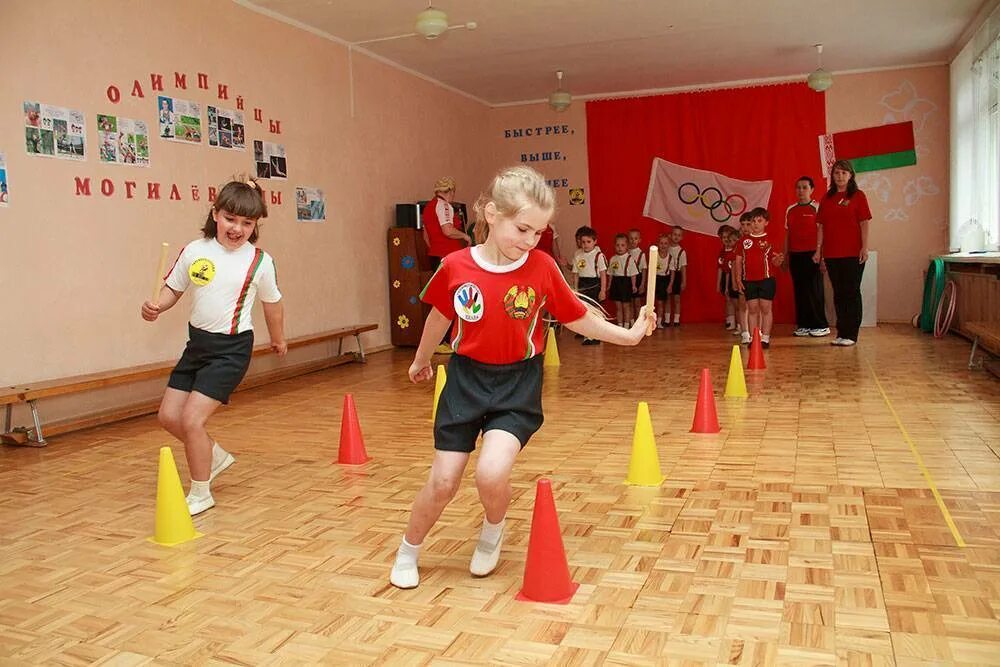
(213, 364)
(677, 283)
(662, 282)
(482, 397)
(589, 287)
(726, 286)
(760, 289)
(638, 293)
(621, 288)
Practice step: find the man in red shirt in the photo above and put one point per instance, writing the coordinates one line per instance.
(807, 279)
(753, 275)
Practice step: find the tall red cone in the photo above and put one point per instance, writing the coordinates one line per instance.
(756, 362)
(705, 418)
(546, 573)
(352, 443)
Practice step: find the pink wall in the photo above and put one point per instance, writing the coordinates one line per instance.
(74, 270)
(909, 204)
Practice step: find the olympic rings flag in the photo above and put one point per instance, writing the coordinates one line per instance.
(698, 200)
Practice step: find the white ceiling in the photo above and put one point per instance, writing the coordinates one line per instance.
(614, 46)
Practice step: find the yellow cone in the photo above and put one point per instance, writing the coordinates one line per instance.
(736, 386)
(173, 520)
(439, 379)
(644, 468)
(551, 351)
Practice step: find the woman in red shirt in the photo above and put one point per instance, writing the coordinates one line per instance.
(842, 244)
(443, 231)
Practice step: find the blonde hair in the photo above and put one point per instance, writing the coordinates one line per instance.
(512, 190)
(444, 184)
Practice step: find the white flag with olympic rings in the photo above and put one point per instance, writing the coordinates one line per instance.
(699, 200)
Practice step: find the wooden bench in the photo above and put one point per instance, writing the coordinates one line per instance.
(31, 393)
(986, 334)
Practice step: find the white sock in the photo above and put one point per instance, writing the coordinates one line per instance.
(491, 531)
(677, 318)
(765, 338)
(408, 553)
(200, 489)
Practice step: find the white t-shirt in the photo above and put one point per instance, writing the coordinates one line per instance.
(224, 283)
(677, 258)
(663, 264)
(589, 264)
(639, 257)
(622, 265)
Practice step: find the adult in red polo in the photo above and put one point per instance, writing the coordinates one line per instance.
(842, 244)
(443, 231)
(800, 245)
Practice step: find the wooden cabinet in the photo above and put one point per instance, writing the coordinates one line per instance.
(409, 271)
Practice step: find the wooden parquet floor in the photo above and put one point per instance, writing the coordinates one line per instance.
(804, 533)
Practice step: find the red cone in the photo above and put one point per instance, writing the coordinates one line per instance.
(546, 573)
(352, 443)
(756, 362)
(705, 418)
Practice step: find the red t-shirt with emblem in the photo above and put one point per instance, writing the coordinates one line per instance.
(436, 213)
(497, 309)
(800, 221)
(841, 219)
(726, 258)
(757, 254)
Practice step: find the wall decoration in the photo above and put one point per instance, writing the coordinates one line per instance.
(310, 205)
(226, 129)
(870, 148)
(54, 131)
(3, 180)
(577, 197)
(179, 120)
(269, 160)
(122, 140)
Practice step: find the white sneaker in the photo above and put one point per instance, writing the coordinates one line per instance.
(745, 338)
(404, 575)
(485, 557)
(801, 331)
(737, 332)
(818, 333)
(842, 342)
(198, 505)
(224, 462)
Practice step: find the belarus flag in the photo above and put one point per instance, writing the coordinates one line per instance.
(698, 200)
(870, 149)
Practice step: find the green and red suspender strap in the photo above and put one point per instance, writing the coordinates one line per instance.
(258, 258)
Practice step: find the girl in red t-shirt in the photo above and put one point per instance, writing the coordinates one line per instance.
(842, 244)
(495, 292)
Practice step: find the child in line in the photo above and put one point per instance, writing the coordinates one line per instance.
(225, 270)
(663, 277)
(622, 270)
(639, 258)
(741, 303)
(725, 274)
(807, 279)
(495, 292)
(590, 270)
(753, 276)
(678, 275)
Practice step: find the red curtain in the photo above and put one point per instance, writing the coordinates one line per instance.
(766, 132)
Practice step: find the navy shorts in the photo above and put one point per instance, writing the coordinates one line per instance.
(760, 289)
(482, 397)
(662, 282)
(213, 364)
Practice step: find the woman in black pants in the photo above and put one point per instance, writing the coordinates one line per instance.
(842, 244)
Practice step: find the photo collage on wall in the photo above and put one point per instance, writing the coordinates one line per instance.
(269, 160)
(179, 120)
(3, 180)
(226, 129)
(123, 140)
(54, 131)
(310, 205)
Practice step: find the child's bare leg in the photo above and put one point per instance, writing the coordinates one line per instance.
(441, 486)
(675, 303)
(619, 312)
(744, 317)
(766, 318)
(730, 313)
(753, 314)
(197, 443)
(171, 410)
(661, 307)
(627, 306)
(496, 460)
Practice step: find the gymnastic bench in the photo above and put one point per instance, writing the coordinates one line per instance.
(985, 334)
(31, 393)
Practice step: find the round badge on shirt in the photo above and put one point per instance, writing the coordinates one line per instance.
(747, 244)
(469, 303)
(202, 271)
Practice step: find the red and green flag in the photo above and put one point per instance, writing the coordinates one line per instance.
(871, 148)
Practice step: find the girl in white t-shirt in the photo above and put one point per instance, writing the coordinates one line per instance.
(225, 271)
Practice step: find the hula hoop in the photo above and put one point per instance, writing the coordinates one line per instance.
(945, 309)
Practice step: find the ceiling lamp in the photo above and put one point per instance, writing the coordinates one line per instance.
(559, 99)
(431, 23)
(819, 80)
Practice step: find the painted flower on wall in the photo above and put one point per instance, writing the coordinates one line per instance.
(919, 187)
(875, 185)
